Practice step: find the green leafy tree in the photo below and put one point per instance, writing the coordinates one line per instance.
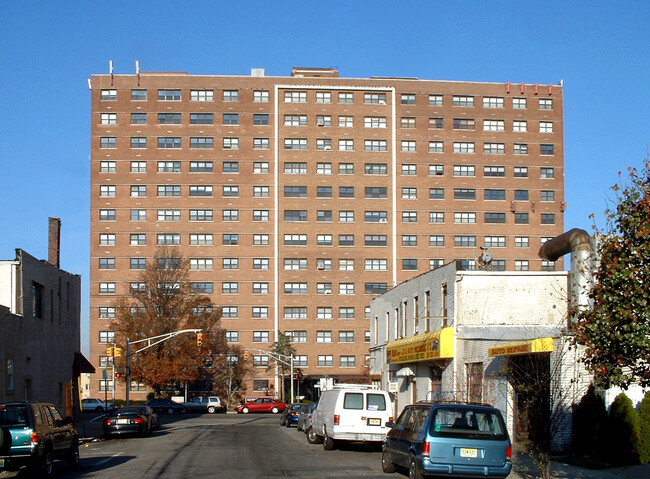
(644, 429)
(623, 432)
(616, 331)
(161, 304)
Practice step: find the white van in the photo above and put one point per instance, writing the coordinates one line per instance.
(351, 412)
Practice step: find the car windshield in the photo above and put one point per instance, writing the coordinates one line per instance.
(125, 412)
(13, 416)
(467, 422)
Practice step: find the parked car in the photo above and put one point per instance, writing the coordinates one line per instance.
(304, 420)
(351, 412)
(35, 434)
(151, 415)
(127, 420)
(448, 439)
(97, 405)
(262, 405)
(291, 413)
(211, 404)
(165, 406)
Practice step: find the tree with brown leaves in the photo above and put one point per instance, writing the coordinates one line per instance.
(161, 302)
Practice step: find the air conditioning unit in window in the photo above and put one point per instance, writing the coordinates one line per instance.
(383, 220)
(320, 267)
(382, 102)
(320, 123)
(327, 291)
(327, 148)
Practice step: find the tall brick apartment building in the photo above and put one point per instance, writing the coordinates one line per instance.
(299, 199)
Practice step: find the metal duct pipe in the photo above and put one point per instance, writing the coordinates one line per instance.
(579, 244)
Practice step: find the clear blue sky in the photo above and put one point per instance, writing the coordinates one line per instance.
(48, 49)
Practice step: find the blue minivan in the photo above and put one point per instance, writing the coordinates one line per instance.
(448, 439)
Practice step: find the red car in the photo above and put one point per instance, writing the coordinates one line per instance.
(262, 405)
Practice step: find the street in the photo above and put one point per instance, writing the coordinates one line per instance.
(222, 445)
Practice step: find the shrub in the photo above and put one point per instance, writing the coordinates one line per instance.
(644, 430)
(589, 423)
(623, 432)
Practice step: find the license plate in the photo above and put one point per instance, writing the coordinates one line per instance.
(467, 452)
(122, 421)
(374, 421)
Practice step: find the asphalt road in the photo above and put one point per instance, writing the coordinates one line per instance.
(222, 446)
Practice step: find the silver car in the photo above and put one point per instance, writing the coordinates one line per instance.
(211, 404)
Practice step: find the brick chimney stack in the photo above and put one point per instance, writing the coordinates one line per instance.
(54, 241)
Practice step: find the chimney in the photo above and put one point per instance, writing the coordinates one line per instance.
(54, 241)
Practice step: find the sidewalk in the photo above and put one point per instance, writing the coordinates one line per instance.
(523, 468)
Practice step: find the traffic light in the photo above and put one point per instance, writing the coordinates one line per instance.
(110, 351)
(120, 372)
(246, 355)
(199, 339)
(117, 352)
(296, 376)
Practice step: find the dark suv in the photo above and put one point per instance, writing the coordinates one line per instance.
(448, 439)
(35, 434)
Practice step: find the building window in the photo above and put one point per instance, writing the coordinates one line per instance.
(547, 195)
(260, 167)
(108, 118)
(409, 264)
(138, 191)
(324, 144)
(409, 216)
(207, 215)
(407, 98)
(227, 215)
(141, 215)
(436, 147)
(464, 194)
(323, 168)
(521, 265)
(107, 167)
(106, 288)
(374, 122)
(548, 218)
(169, 118)
(323, 120)
(376, 169)
(295, 288)
(231, 167)
(495, 218)
(435, 100)
(521, 172)
(519, 103)
(260, 312)
(407, 122)
(545, 104)
(521, 219)
(492, 102)
(230, 239)
(169, 95)
(297, 240)
(465, 217)
(169, 167)
(521, 195)
(344, 217)
(466, 101)
(346, 289)
(375, 145)
(546, 127)
(231, 143)
(376, 192)
(138, 239)
(230, 263)
(436, 193)
(297, 337)
(375, 288)
(464, 170)
(108, 142)
(230, 288)
(107, 191)
(260, 119)
(163, 190)
(494, 171)
(169, 215)
(493, 125)
(138, 167)
(230, 95)
(408, 146)
(325, 360)
(109, 95)
(346, 313)
(201, 118)
(346, 97)
(295, 144)
(464, 241)
(495, 195)
(202, 142)
(409, 240)
(295, 215)
(232, 336)
(295, 264)
(295, 120)
(409, 193)
(548, 265)
(295, 97)
(463, 123)
(409, 170)
(261, 361)
(519, 126)
(260, 288)
(547, 173)
(346, 240)
(323, 336)
(546, 150)
(261, 144)
(207, 288)
(106, 215)
(346, 145)
(169, 142)
(107, 239)
(463, 147)
(436, 217)
(495, 241)
(201, 95)
(494, 148)
(374, 98)
(260, 215)
(323, 97)
(521, 242)
(260, 96)
(295, 312)
(375, 240)
(138, 263)
(435, 263)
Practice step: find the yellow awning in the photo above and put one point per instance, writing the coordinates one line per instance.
(539, 345)
(423, 347)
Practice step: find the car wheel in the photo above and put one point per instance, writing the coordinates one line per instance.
(414, 469)
(245, 410)
(288, 423)
(48, 463)
(386, 462)
(275, 410)
(72, 460)
(211, 410)
(328, 443)
(5, 440)
(283, 421)
(312, 437)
